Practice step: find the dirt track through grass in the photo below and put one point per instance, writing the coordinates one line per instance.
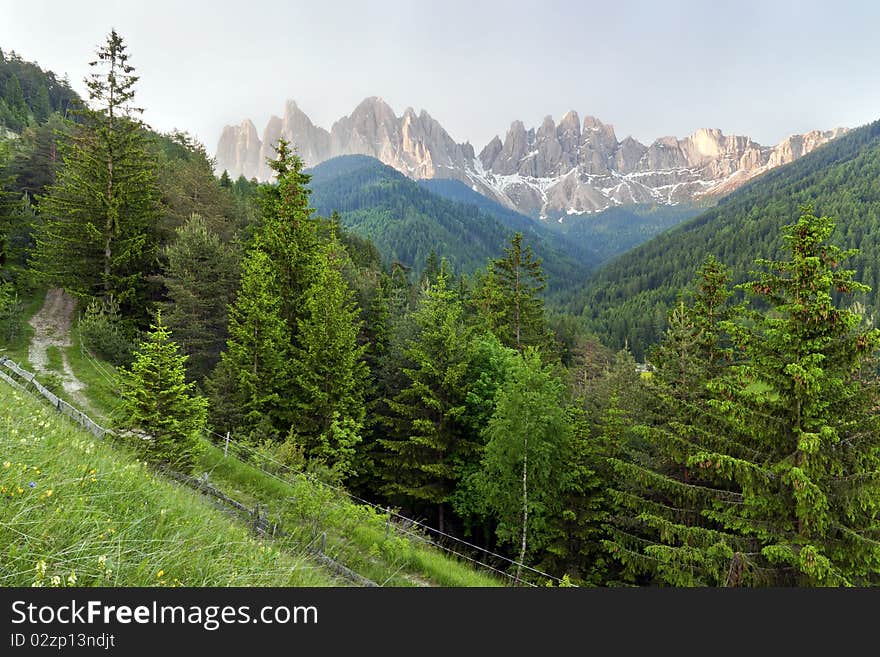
(51, 327)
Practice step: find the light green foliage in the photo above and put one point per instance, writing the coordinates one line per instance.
(11, 319)
(99, 514)
(161, 402)
(529, 440)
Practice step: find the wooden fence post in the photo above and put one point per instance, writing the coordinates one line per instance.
(226, 446)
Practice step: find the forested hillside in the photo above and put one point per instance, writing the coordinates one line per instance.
(629, 298)
(407, 222)
(28, 94)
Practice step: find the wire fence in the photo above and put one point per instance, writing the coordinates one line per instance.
(257, 517)
(254, 456)
(28, 380)
(406, 526)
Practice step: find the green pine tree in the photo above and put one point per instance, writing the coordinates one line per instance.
(160, 402)
(15, 104)
(42, 106)
(659, 534)
(328, 368)
(200, 278)
(421, 460)
(774, 482)
(519, 319)
(257, 354)
(99, 217)
(805, 400)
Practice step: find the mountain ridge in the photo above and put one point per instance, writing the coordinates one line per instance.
(555, 170)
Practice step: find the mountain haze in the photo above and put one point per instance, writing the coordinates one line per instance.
(573, 167)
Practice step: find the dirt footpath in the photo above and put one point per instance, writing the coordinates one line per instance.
(52, 329)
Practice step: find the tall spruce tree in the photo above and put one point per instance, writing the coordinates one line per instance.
(328, 367)
(200, 279)
(97, 237)
(776, 482)
(420, 460)
(656, 500)
(518, 315)
(292, 360)
(806, 399)
(254, 369)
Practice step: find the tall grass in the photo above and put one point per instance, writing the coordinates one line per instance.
(76, 510)
(356, 535)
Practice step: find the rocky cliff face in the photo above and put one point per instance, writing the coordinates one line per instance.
(567, 168)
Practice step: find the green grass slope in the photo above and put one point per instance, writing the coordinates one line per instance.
(76, 510)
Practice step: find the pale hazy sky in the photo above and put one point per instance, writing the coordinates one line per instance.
(764, 68)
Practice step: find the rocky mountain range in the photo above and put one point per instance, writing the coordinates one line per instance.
(572, 167)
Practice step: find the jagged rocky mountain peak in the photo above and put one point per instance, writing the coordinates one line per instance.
(553, 169)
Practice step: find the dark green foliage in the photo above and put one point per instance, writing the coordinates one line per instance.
(200, 278)
(98, 232)
(586, 249)
(761, 471)
(36, 159)
(806, 398)
(187, 186)
(15, 109)
(630, 297)
(255, 372)
(619, 229)
(328, 368)
(293, 366)
(431, 439)
(516, 306)
(28, 94)
(160, 402)
(406, 222)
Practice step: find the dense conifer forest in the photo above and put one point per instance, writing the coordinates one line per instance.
(704, 414)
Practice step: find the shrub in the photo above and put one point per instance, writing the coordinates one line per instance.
(106, 334)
